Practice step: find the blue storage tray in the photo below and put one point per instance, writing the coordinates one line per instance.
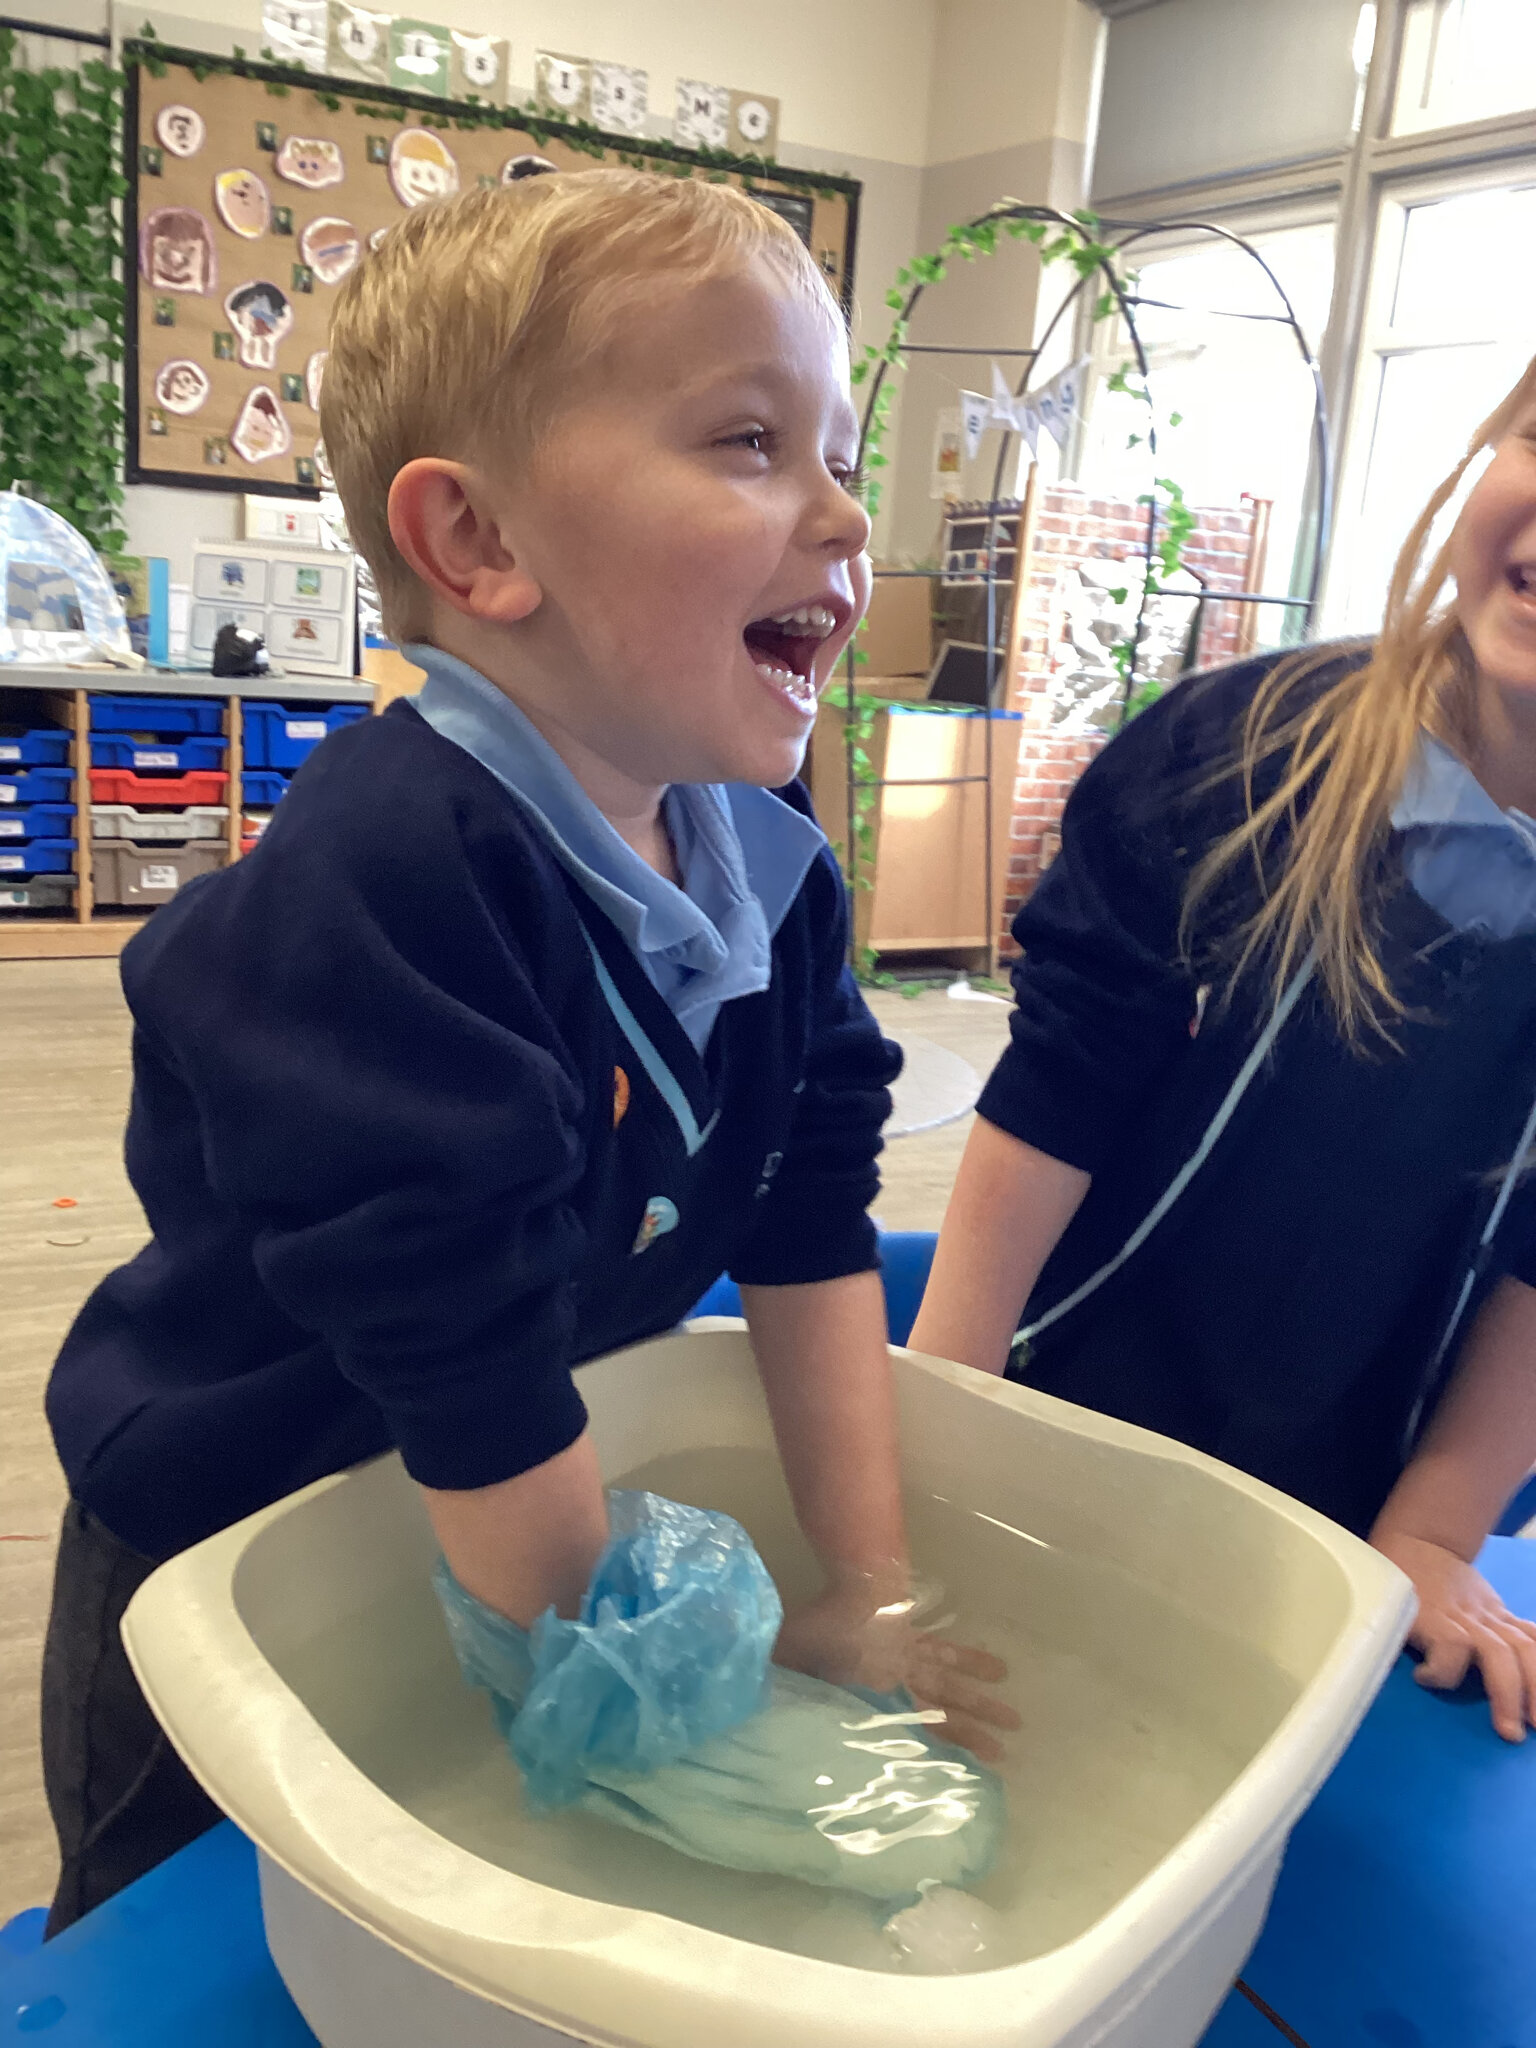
(277, 736)
(265, 787)
(171, 718)
(156, 757)
(35, 786)
(46, 747)
(38, 857)
(35, 821)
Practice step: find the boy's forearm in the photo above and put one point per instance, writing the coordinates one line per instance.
(821, 1354)
(1482, 1441)
(528, 1543)
(1009, 1206)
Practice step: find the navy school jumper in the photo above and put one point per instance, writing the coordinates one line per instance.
(416, 1135)
(1283, 1241)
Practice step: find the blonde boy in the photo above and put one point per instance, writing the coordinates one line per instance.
(529, 1015)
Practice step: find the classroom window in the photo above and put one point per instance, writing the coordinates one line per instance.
(1449, 326)
(1220, 356)
(1464, 60)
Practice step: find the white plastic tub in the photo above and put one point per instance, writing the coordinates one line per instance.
(1190, 1650)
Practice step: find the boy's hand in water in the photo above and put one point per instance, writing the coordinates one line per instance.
(1462, 1622)
(851, 1636)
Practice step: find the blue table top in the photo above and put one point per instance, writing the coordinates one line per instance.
(1402, 1918)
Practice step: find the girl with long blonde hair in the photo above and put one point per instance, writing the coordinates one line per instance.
(1252, 1170)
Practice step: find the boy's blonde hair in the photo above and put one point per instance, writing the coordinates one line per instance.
(460, 334)
(1346, 758)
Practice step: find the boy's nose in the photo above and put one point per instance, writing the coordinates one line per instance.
(844, 526)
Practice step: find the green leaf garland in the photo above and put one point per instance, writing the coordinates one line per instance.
(61, 290)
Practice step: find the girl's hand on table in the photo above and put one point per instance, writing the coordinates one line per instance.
(1462, 1622)
(849, 1636)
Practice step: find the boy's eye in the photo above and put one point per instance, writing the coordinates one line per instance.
(756, 440)
(854, 481)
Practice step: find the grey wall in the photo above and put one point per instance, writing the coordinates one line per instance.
(1193, 88)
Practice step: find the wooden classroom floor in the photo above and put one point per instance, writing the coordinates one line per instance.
(65, 1046)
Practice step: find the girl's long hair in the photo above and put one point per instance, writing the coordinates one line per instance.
(1345, 756)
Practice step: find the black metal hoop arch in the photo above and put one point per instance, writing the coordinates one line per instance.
(1130, 232)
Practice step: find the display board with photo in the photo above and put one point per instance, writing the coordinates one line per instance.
(251, 206)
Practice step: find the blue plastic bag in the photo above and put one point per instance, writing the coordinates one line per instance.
(671, 1647)
(658, 1709)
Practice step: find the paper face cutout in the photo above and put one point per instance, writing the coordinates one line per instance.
(331, 248)
(517, 167)
(618, 96)
(181, 386)
(181, 130)
(421, 167)
(310, 161)
(703, 115)
(261, 431)
(314, 377)
(243, 203)
(261, 314)
(377, 237)
(176, 251)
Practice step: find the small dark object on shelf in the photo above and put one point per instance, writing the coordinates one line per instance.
(238, 653)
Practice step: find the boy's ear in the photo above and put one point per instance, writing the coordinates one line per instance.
(442, 520)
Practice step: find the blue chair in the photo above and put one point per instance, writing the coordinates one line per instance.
(905, 1259)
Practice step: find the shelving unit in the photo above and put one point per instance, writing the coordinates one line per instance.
(945, 862)
(84, 932)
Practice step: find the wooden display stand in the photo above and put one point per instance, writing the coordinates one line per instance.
(927, 857)
(86, 933)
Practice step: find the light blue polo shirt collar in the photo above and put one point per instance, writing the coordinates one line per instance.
(1471, 861)
(743, 853)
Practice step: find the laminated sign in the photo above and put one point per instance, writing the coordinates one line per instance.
(418, 56)
(479, 68)
(619, 96)
(359, 43)
(562, 84)
(296, 32)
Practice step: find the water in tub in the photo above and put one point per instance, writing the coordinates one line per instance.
(1137, 1716)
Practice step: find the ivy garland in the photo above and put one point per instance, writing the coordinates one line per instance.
(1057, 237)
(61, 292)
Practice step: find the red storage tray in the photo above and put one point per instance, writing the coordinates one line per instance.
(122, 786)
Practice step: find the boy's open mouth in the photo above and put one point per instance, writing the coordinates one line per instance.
(784, 648)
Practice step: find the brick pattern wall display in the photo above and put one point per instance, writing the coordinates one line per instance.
(1078, 540)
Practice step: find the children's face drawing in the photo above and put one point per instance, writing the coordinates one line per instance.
(421, 168)
(243, 204)
(311, 161)
(261, 314)
(675, 506)
(261, 429)
(178, 251)
(330, 248)
(182, 387)
(180, 130)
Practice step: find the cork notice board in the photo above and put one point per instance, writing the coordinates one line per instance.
(246, 210)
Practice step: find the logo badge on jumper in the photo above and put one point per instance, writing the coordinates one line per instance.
(660, 1217)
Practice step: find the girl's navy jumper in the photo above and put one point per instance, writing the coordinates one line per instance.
(1287, 1312)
